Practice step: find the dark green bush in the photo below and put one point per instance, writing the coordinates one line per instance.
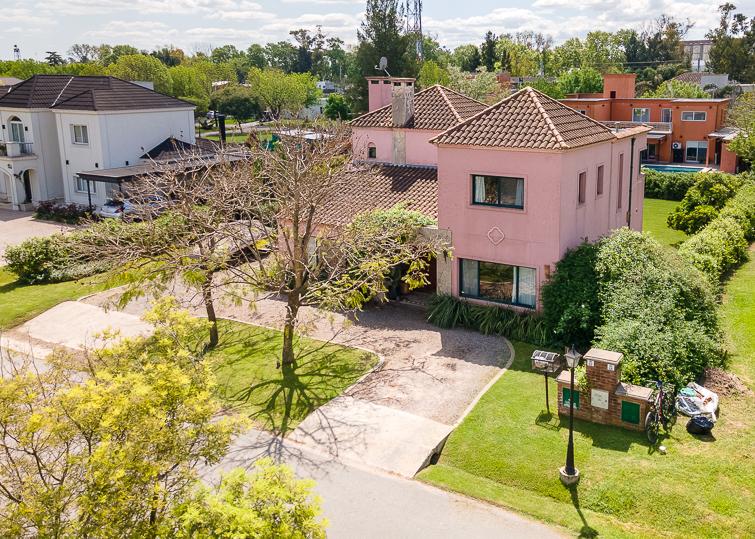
(63, 213)
(703, 201)
(449, 312)
(38, 260)
(656, 309)
(570, 298)
(667, 185)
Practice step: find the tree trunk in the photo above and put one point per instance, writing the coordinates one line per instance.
(292, 310)
(210, 308)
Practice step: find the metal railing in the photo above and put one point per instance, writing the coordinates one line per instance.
(657, 127)
(15, 149)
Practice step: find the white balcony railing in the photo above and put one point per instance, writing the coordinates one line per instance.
(15, 149)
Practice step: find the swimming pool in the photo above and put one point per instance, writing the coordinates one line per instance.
(673, 168)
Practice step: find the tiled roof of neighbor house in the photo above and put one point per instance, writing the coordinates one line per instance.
(436, 108)
(86, 93)
(382, 187)
(527, 119)
(172, 148)
(694, 77)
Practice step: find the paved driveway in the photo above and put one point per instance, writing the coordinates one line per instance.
(399, 415)
(16, 226)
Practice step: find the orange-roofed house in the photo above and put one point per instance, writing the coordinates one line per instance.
(685, 132)
(513, 186)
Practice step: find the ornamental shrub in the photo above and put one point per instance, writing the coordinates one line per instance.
(667, 185)
(703, 201)
(656, 309)
(742, 208)
(570, 298)
(62, 213)
(38, 260)
(717, 248)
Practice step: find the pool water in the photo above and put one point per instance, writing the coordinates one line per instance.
(673, 168)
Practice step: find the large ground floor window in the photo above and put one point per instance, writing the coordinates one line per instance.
(697, 151)
(497, 282)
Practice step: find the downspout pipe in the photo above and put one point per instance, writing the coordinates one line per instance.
(631, 181)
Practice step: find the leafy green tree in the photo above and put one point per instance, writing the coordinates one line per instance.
(271, 502)
(188, 81)
(140, 67)
(548, 87)
(489, 52)
(583, 80)
(256, 57)
(522, 60)
(704, 199)
(109, 54)
(568, 55)
(482, 85)
(602, 52)
(677, 88)
(466, 57)
(336, 108)
(431, 73)
(433, 51)
(742, 116)
(237, 101)
(226, 53)
(211, 72)
(277, 91)
(281, 55)
(109, 442)
(83, 53)
(170, 56)
(54, 59)
(733, 48)
(336, 59)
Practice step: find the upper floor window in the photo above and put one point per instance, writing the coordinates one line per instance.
(498, 191)
(16, 129)
(80, 134)
(371, 151)
(582, 112)
(694, 115)
(666, 115)
(582, 187)
(599, 186)
(640, 115)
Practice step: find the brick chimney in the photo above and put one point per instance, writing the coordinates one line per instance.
(402, 103)
(380, 90)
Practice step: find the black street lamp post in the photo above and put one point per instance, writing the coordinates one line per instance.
(570, 474)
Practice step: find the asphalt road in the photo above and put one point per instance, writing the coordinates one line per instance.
(359, 502)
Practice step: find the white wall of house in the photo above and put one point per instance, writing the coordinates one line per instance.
(116, 139)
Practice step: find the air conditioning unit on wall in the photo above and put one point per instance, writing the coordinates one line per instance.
(676, 145)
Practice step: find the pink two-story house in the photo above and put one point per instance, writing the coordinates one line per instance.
(513, 186)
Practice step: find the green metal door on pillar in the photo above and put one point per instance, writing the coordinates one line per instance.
(630, 412)
(565, 398)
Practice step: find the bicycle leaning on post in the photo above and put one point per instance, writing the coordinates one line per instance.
(662, 411)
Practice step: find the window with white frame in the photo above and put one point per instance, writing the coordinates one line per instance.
(503, 283)
(640, 115)
(80, 134)
(694, 115)
(696, 152)
(16, 130)
(666, 115)
(81, 185)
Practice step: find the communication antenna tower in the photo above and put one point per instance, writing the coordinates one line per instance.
(414, 23)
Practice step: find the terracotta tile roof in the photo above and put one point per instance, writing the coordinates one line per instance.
(435, 108)
(527, 119)
(382, 187)
(86, 93)
(694, 77)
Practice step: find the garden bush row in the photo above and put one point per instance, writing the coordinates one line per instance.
(703, 201)
(62, 213)
(667, 185)
(450, 312)
(642, 300)
(723, 244)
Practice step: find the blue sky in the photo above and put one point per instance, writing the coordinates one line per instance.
(41, 25)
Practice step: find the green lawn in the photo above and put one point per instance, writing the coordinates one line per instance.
(250, 383)
(654, 215)
(738, 319)
(19, 302)
(508, 451)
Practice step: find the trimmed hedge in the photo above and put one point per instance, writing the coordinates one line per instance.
(723, 244)
(667, 185)
(703, 201)
(450, 312)
(62, 213)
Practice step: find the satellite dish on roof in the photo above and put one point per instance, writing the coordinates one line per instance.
(383, 65)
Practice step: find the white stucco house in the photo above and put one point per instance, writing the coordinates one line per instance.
(56, 126)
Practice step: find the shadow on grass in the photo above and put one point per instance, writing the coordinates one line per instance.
(278, 399)
(586, 531)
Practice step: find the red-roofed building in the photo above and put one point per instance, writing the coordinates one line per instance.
(684, 131)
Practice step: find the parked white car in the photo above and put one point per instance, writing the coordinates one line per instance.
(114, 209)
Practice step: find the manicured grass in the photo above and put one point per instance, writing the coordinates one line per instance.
(738, 320)
(508, 451)
(250, 382)
(654, 213)
(239, 138)
(19, 302)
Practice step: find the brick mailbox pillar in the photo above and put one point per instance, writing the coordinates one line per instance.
(608, 400)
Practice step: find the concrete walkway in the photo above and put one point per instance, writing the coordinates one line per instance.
(363, 503)
(398, 416)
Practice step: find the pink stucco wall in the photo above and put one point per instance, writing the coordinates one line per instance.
(552, 220)
(418, 150)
